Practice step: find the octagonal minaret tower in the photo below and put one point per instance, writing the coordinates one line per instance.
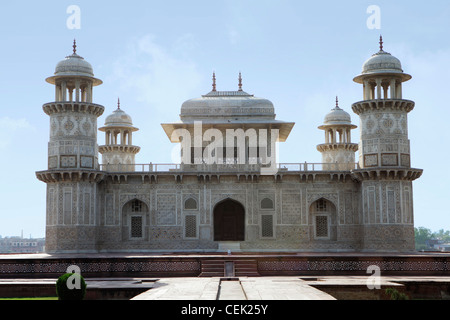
(73, 168)
(118, 153)
(73, 116)
(385, 169)
(338, 151)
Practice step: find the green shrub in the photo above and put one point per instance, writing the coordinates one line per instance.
(64, 293)
(395, 295)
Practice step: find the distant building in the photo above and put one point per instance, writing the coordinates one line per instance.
(431, 243)
(21, 245)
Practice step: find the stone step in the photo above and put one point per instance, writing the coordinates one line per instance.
(246, 268)
(212, 268)
(242, 268)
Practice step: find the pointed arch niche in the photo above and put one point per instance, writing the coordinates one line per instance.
(322, 217)
(135, 218)
(229, 221)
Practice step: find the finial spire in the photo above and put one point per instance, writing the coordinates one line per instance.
(74, 46)
(337, 102)
(240, 81)
(381, 43)
(214, 82)
(118, 103)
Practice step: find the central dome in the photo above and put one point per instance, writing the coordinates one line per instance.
(225, 110)
(227, 104)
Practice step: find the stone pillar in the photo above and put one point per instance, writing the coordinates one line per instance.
(366, 90)
(57, 90)
(378, 88)
(122, 137)
(399, 91)
(77, 90)
(89, 92)
(385, 91)
(83, 94)
(64, 91)
(393, 89)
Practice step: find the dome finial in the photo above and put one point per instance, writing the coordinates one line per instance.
(74, 46)
(118, 103)
(240, 81)
(337, 102)
(381, 43)
(214, 81)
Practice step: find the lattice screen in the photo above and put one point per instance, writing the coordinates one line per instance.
(190, 226)
(190, 204)
(322, 226)
(321, 205)
(136, 206)
(136, 227)
(267, 226)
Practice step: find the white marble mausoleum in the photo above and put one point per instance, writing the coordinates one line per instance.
(228, 192)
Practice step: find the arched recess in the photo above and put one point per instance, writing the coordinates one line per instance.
(190, 204)
(322, 217)
(135, 218)
(267, 204)
(229, 221)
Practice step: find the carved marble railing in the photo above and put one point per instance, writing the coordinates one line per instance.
(212, 168)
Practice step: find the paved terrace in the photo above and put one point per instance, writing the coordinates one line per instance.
(242, 289)
(266, 288)
(298, 286)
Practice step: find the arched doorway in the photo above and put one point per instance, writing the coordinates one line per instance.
(322, 214)
(135, 220)
(229, 221)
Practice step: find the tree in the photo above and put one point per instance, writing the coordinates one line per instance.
(421, 236)
(442, 235)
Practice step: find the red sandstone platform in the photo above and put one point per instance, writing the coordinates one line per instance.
(220, 264)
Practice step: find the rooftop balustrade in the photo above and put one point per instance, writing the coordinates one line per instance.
(232, 168)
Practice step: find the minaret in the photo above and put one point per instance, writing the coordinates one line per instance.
(385, 169)
(73, 168)
(118, 153)
(338, 152)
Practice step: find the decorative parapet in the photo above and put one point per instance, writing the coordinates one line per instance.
(52, 176)
(393, 173)
(338, 146)
(119, 148)
(228, 168)
(82, 107)
(152, 173)
(383, 104)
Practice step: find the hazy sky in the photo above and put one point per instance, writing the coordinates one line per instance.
(154, 55)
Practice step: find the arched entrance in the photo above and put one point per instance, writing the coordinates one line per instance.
(322, 214)
(229, 221)
(135, 220)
